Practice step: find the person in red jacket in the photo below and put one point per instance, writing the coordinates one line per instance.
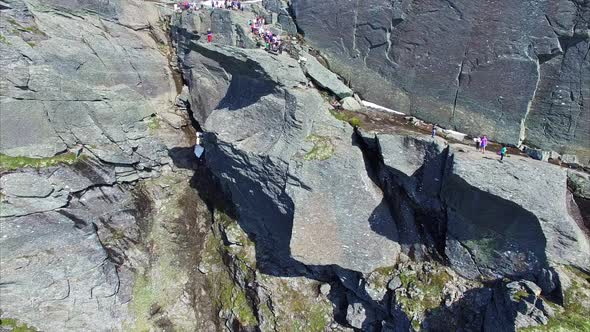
(209, 35)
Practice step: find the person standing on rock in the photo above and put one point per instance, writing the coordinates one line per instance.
(477, 141)
(209, 36)
(503, 152)
(484, 143)
(434, 130)
(199, 149)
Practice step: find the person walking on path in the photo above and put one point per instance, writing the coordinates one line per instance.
(477, 141)
(503, 153)
(434, 130)
(484, 143)
(209, 36)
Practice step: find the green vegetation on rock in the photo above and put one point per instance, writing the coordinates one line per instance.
(3, 40)
(344, 116)
(153, 123)
(423, 292)
(227, 295)
(301, 311)
(15, 326)
(322, 148)
(10, 163)
(575, 314)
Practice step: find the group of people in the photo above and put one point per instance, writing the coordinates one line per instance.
(235, 5)
(193, 6)
(272, 42)
(481, 143)
(186, 5)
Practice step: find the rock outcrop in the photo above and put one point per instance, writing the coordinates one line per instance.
(99, 92)
(510, 70)
(491, 219)
(83, 89)
(298, 217)
(299, 183)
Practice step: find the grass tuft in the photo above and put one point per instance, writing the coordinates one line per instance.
(11, 163)
(350, 119)
(14, 325)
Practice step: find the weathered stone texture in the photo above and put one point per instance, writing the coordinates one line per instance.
(513, 69)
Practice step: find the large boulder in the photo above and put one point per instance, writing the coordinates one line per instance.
(447, 62)
(298, 180)
(510, 218)
(324, 78)
(490, 219)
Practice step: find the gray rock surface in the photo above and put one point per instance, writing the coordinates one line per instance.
(87, 74)
(349, 103)
(509, 218)
(82, 76)
(491, 219)
(324, 78)
(24, 194)
(579, 182)
(67, 280)
(297, 179)
(447, 62)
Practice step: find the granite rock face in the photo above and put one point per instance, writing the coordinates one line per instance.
(82, 73)
(91, 78)
(514, 71)
(68, 280)
(298, 180)
(491, 219)
(509, 215)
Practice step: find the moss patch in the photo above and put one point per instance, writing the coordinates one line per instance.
(11, 163)
(300, 311)
(424, 292)
(3, 40)
(15, 325)
(347, 117)
(227, 296)
(574, 316)
(322, 149)
(153, 123)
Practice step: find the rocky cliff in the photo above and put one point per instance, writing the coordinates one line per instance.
(299, 217)
(517, 71)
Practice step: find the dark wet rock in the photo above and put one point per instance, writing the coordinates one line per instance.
(515, 305)
(447, 63)
(537, 154)
(570, 160)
